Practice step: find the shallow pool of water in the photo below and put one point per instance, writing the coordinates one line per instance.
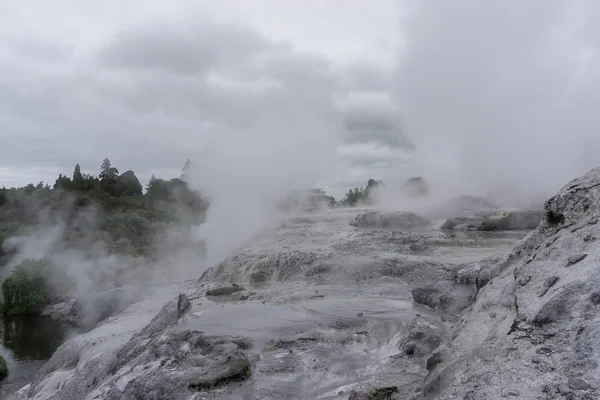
(26, 342)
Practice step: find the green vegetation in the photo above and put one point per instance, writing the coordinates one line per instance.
(3, 368)
(109, 213)
(362, 196)
(111, 209)
(25, 290)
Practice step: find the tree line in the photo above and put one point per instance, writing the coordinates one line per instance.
(110, 212)
(360, 196)
(111, 208)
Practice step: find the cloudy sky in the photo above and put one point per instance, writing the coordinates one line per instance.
(327, 92)
(148, 83)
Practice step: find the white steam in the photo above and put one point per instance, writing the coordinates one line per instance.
(244, 172)
(501, 96)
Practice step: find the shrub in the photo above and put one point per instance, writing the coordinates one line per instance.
(3, 368)
(25, 290)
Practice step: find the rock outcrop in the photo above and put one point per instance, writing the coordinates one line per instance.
(389, 220)
(166, 359)
(532, 332)
(499, 220)
(458, 291)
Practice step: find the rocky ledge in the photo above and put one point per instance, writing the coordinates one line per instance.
(165, 360)
(496, 220)
(389, 220)
(532, 332)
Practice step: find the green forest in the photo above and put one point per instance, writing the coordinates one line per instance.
(111, 211)
(111, 208)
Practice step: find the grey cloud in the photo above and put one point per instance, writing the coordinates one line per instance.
(182, 47)
(157, 93)
(371, 125)
(39, 49)
(366, 77)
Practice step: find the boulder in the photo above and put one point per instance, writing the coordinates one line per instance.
(498, 220)
(423, 337)
(224, 290)
(389, 220)
(62, 311)
(516, 220)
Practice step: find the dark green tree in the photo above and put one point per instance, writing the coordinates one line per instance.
(63, 183)
(127, 184)
(108, 177)
(78, 182)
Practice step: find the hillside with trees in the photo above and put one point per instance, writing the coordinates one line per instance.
(111, 208)
(107, 214)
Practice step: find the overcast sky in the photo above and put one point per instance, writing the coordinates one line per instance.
(147, 83)
(488, 91)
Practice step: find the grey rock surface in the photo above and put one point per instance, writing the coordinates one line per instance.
(329, 311)
(168, 360)
(62, 311)
(389, 220)
(532, 332)
(496, 220)
(424, 336)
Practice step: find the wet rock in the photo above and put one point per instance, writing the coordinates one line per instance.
(513, 221)
(385, 393)
(301, 343)
(183, 305)
(389, 220)
(224, 290)
(462, 223)
(551, 281)
(263, 266)
(538, 336)
(575, 258)
(458, 291)
(559, 306)
(436, 358)
(173, 360)
(423, 337)
(578, 384)
(445, 296)
(524, 280)
(175, 363)
(467, 275)
(62, 312)
(498, 220)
